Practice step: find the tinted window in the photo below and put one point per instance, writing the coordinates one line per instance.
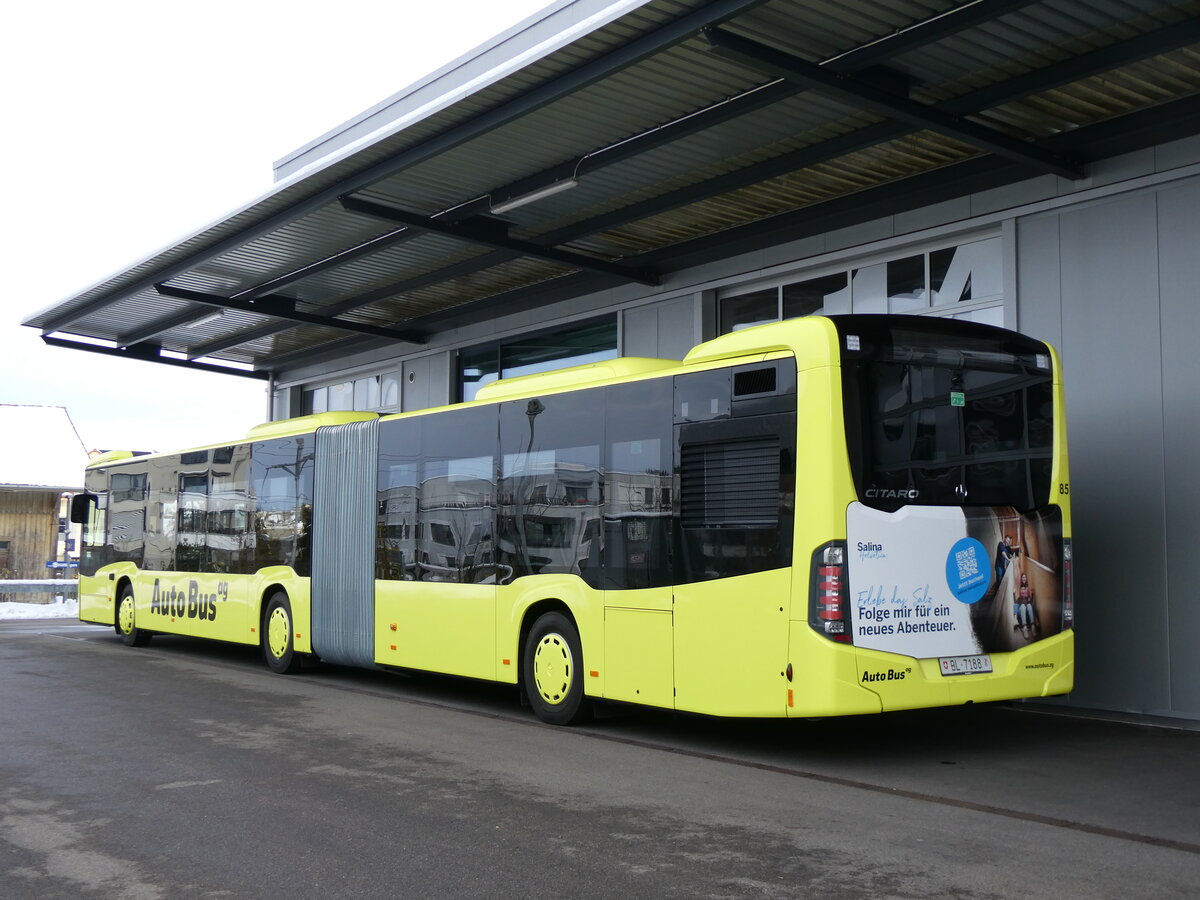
(282, 479)
(588, 485)
(230, 539)
(703, 395)
(549, 512)
(639, 487)
(456, 506)
(127, 514)
(162, 513)
(398, 489)
(946, 413)
(737, 485)
(191, 550)
(94, 551)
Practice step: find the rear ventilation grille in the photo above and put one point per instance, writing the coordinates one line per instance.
(730, 485)
(755, 381)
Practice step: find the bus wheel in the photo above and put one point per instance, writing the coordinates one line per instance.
(552, 670)
(129, 632)
(278, 649)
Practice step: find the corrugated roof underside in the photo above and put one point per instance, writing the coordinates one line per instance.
(678, 191)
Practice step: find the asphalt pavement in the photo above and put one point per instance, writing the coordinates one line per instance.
(185, 769)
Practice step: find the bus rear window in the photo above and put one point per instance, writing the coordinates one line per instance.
(946, 413)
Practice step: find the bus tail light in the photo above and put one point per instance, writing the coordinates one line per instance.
(1068, 601)
(828, 610)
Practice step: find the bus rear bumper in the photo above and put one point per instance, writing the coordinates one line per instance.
(1042, 669)
(838, 679)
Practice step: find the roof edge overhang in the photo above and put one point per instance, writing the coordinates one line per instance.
(531, 39)
(296, 196)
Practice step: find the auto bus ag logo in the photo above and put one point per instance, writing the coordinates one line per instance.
(889, 675)
(190, 603)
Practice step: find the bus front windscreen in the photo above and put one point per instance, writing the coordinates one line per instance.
(946, 413)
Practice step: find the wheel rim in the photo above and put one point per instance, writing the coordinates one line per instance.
(553, 669)
(278, 632)
(125, 614)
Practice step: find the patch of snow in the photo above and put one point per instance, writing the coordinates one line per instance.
(65, 609)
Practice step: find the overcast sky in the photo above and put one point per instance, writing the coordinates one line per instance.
(129, 124)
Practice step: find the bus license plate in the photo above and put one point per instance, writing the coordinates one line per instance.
(965, 665)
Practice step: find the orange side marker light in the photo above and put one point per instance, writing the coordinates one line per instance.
(594, 673)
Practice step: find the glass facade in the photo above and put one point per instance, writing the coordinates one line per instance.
(935, 282)
(371, 393)
(589, 342)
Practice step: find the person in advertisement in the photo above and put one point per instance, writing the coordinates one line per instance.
(1005, 551)
(1023, 607)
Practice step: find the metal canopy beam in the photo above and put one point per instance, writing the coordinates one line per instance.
(367, 248)
(925, 32)
(163, 325)
(150, 353)
(488, 238)
(568, 83)
(237, 338)
(1152, 43)
(285, 308)
(916, 35)
(865, 96)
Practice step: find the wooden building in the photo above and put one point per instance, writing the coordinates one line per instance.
(41, 458)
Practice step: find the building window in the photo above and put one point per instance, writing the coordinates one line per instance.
(592, 341)
(938, 282)
(5, 560)
(747, 310)
(372, 393)
(827, 294)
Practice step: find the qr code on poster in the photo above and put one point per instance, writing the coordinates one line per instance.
(968, 563)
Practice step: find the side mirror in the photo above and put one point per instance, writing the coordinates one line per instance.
(81, 507)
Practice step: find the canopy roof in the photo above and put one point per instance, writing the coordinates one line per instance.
(649, 136)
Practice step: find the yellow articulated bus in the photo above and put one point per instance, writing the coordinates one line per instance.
(823, 516)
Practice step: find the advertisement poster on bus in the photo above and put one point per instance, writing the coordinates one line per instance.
(943, 581)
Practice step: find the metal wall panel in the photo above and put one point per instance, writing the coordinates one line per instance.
(343, 572)
(1109, 282)
(1179, 273)
(1039, 285)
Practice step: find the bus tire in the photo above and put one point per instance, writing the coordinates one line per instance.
(125, 620)
(552, 671)
(278, 630)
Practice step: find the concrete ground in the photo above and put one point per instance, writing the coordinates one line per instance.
(185, 769)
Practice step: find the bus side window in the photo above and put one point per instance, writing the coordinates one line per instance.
(639, 486)
(94, 544)
(550, 485)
